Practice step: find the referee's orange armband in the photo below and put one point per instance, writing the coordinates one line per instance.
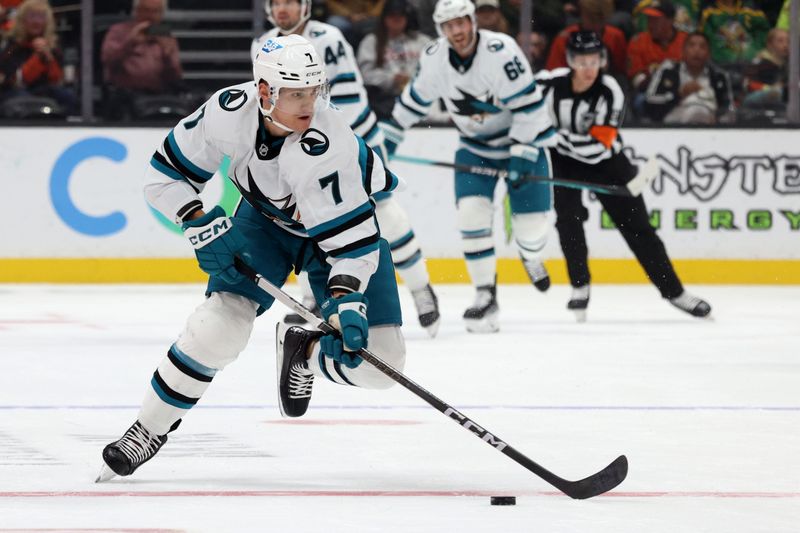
(605, 134)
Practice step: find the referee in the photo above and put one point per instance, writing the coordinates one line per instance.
(586, 107)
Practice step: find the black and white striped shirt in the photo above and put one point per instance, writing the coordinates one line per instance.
(587, 122)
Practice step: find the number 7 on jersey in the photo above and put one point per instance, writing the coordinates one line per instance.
(333, 181)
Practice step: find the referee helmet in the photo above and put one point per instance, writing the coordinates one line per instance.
(585, 43)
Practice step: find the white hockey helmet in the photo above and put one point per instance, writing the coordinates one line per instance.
(288, 62)
(452, 9)
(305, 14)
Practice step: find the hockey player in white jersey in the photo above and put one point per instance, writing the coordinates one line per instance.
(306, 181)
(489, 92)
(348, 94)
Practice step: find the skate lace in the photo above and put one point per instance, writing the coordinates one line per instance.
(536, 270)
(138, 444)
(424, 301)
(301, 381)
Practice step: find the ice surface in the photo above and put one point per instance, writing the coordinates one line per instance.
(708, 413)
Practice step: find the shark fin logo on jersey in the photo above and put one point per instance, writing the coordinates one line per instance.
(316, 33)
(232, 99)
(495, 45)
(475, 107)
(314, 142)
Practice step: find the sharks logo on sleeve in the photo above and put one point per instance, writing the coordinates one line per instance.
(495, 45)
(475, 107)
(314, 142)
(232, 99)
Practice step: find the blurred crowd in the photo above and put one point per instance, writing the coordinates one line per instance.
(680, 61)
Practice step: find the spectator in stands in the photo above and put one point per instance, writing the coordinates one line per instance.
(355, 18)
(766, 82)
(692, 91)
(687, 14)
(140, 57)
(7, 9)
(647, 50)
(785, 16)
(423, 9)
(736, 32)
(489, 17)
(535, 50)
(772, 9)
(547, 16)
(622, 17)
(388, 57)
(593, 17)
(30, 62)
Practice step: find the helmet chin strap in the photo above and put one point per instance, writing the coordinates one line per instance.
(268, 114)
(293, 28)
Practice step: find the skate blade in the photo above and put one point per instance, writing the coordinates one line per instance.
(280, 332)
(580, 315)
(433, 329)
(482, 326)
(105, 474)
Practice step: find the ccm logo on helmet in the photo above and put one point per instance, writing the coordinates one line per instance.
(314, 142)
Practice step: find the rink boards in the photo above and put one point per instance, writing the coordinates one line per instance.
(726, 203)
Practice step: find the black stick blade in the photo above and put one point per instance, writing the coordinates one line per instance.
(602, 481)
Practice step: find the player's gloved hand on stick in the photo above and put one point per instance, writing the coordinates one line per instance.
(216, 242)
(348, 314)
(523, 161)
(393, 135)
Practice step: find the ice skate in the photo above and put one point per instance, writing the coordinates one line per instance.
(124, 456)
(427, 309)
(482, 316)
(295, 380)
(691, 304)
(578, 302)
(538, 274)
(293, 319)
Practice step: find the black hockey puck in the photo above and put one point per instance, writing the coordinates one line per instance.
(503, 500)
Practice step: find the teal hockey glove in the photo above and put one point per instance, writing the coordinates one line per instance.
(216, 242)
(333, 348)
(348, 314)
(393, 134)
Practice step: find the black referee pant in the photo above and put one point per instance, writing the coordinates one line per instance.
(629, 215)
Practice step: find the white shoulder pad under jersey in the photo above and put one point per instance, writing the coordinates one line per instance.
(347, 85)
(225, 124)
(491, 96)
(331, 173)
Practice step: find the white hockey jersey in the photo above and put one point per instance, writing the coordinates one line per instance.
(316, 183)
(347, 85)
(491, 96)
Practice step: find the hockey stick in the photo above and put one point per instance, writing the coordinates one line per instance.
(598, 483)
(646, 174)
